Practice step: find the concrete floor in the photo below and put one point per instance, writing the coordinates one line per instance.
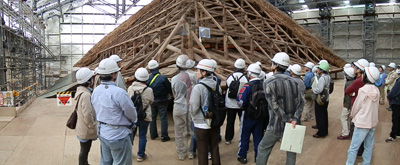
(39, 136)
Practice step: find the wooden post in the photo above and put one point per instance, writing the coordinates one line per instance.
(225, 32)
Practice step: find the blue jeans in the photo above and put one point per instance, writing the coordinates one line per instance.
(159, 108)
(142, 126)
(265, 148)
(360, 135)
(116, 151)
(192, 147)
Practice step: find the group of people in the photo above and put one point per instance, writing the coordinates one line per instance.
(264, 102)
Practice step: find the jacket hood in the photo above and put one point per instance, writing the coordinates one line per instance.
(209, 81)
(79, 91)
(137, 86)
(370, 92)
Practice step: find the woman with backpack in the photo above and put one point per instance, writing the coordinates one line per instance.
(206, 136)
(86, 125)
(139, 87)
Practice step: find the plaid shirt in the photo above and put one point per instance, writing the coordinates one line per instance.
(285, 102)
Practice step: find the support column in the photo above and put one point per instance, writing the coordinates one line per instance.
(325, 22)
(369, 36)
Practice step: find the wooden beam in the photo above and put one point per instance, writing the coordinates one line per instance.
(166, 42)
(240, 50)
(209, 15)
(141, 51)
(204, 51)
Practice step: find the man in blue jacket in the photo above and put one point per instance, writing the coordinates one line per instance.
(251, 122)
(394, 102)
(161, 89)
(308, 112)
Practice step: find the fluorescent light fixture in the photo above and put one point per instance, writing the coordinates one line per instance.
(301, 1)
(346, 2)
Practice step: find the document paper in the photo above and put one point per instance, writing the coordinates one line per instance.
(293, 138)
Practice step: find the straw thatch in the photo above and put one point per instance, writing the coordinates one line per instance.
(250, 29)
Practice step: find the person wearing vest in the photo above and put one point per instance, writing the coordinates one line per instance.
(321, 111)
(181, 89)
(249, 125)
(161, 90)
(230, 102)
(206, 136)
(308, 112)
(115, 114)
(139, 86)
(86, 124)
(289, 111)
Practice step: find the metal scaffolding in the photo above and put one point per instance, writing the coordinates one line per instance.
(21, 52)
(369, 36)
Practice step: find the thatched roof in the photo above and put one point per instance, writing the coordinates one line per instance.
(250, 29)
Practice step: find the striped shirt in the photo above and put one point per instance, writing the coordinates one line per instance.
(285, 102)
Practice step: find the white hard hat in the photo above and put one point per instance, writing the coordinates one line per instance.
(190, 63)
(371, 64)
(254, 68)
(323, 61)
(314, 69)
(181, 61)
(349, 72)
(289, 69)
(205, 64)
(152, 64)
(347, 66)
(83, 75)
(141, 74)
(96, 70)
(240, 64)
(214, 63)
(383, 67)
(108, 66)
(281, 58)
(309, 65)
(116, 58)
(392, 65)
(296, 69)
(372, 74)
(361, 64)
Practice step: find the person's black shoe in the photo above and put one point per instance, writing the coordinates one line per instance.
(153, 138)
(242, 160)
(164, 139)
(314, 127)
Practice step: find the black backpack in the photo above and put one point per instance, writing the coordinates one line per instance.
(137, 102)
(234, 87)
(216, 107)
(258, 105)
(331, 86)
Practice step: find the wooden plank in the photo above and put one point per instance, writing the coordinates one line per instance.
(262, 49)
